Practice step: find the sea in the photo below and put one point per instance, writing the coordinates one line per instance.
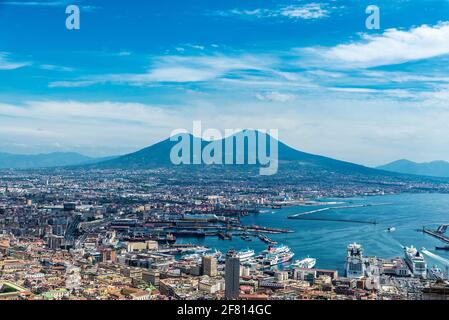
(327, 241)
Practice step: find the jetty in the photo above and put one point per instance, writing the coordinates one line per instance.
(439, 233)
(332, 219)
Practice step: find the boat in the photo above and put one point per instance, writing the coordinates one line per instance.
(307, 263)
(201, 250)
(224, 236)
(191, 257)
(415, 262)
(275, 255)
(391, 229)
(436, 273)
(275, 259)
(245, 255)
(276, 249)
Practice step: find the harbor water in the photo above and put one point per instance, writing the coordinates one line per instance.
(327, 240)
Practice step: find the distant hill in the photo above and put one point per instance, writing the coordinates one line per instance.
(432, 169)
(158, 155)
(56, 159)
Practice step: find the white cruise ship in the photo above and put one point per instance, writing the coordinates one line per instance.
(355, 262)
(245, 255)
(307, 263)
(415, 262)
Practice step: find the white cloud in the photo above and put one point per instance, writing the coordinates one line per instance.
(392, 47)
(306, 12)
(276, 96)
(182, 69)
(7, 64)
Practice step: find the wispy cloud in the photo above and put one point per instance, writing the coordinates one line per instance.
(52, 67)
(37, 3)
(306, 12)
(276, 96)
(183, 69)
(7, 64)
(394, 46)
(50, 3)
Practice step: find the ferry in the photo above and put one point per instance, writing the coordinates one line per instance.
(415, 262)
(245, 255)
(275, 259)
(275, 255)
(276, 249)
(307, 263)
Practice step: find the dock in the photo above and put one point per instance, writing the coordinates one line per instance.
(437, 233)
(265, 239)
(330, 219)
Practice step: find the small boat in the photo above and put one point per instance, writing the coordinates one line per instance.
(391, 229)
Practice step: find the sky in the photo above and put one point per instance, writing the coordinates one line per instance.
(136, 70)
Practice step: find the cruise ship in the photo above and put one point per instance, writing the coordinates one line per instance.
(307, 263)
(245, 255)
(355, 262)
(415, 262)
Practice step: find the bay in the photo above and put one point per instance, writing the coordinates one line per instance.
(327, 240)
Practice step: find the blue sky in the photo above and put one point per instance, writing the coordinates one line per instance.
(136, 70)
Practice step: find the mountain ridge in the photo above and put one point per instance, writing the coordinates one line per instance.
(436, 168)
(158, 155)
(45, 160)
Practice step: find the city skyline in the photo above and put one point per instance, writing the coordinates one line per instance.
(131, 75)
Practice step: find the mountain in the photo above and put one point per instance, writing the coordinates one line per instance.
(158, 155)
(433, 169)
(55, 159)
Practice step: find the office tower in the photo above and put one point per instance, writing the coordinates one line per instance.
(209, 266)
(232, 276)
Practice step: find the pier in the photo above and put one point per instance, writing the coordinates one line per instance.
(265, 239)
(437, 233)
(330, 219)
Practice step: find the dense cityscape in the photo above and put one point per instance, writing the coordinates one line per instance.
(114, 235)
